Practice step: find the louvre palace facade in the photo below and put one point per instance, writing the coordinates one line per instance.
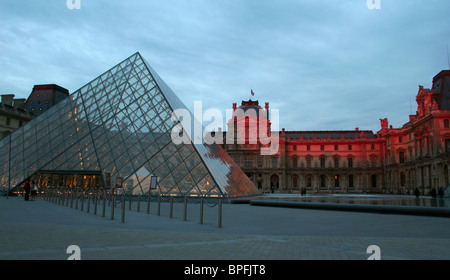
(392, 160)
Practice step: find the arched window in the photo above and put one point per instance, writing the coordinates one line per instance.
(446, 124)
(336, 161)
(350, 181)
(402, 179)
(373, 161)
(322, 161)
(274, 162)
(323, 181)
(274, 182)
(295, 162)
(248, 161)
(308, 181)
(295, 182)
(309, 161)
(373, 178)
(336, 181)
(350, 161)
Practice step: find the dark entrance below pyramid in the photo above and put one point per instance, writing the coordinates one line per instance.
(86, 180)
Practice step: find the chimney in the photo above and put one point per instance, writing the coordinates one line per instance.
(19, 103)
(267, 110)
(234, 107)
(7, 99)
(357, 129)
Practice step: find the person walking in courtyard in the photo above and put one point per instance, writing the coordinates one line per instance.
(34, 191)
(27, 189)
(417, 192)
(441, 193)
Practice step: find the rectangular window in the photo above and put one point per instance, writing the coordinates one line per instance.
(274, 162)
(237, 160)
(248, 161)
(308, 147)
(401, 156)
(336, 147)
(336, 162)
(322, 162)
(260, 161)
(374, 162)
(322, 147)
(350, 162)
(350, 181)
(295, 147)
(350, 147)
(295, 162)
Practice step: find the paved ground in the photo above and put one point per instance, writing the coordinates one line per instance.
(44, 230)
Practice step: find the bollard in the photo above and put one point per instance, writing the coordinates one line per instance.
(67, 197)
(220, 213)
(82, 200)
(95, 202)
(129, 205)
(104, 204)
(139, 203)
(71, 199)
(123, 209)
(89, 202)
(185, 208)
(201, 210)
(76, 201)
(112, 207)
(148, 203)
(159, 205)
(171, 207)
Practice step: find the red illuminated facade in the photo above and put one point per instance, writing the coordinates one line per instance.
(393, 160)
(43, 97)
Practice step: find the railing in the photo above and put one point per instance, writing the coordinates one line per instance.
(86, 199)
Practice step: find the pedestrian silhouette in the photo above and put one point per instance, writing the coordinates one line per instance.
(417, 192)
(27, 188)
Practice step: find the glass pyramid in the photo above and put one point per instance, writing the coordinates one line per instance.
(119, 126)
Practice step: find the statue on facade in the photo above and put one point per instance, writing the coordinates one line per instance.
(384, 123)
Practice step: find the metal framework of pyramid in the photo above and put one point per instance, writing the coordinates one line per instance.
(119, 125)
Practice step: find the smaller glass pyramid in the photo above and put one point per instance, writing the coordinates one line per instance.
(119, 127)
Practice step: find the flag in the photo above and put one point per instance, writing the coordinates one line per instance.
(253, 94)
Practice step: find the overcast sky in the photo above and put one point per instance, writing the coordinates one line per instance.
(325, 64)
